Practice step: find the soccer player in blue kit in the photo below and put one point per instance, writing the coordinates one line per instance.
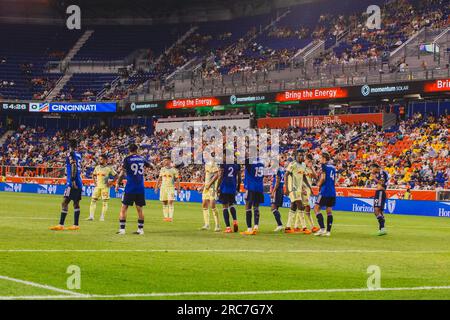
(327, 195)
(254, 186)
(229, 182)
(276, 194)
(381, 179)
(133, 168)
(74, 186)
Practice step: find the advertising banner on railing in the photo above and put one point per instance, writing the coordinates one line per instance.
(428, 195)
(365, 91)
(319, 121)
(73, 107)
(359, 92)
(352, 204)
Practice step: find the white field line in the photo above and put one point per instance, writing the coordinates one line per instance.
(219, 293)
(42, 286)
(217, 251)
(28, 218)
(334, 225)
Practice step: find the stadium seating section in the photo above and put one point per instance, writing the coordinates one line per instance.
(416, 153)
(24, 61)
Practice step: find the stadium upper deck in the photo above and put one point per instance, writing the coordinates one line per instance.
(309, 42)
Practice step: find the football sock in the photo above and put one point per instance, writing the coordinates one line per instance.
(63, 217)
(310, 220)
(320, 220)
(299, 219)
(216, 217)
(76, 216)
(329, 222)
(206, 216)
(171, 209)
(256, 214)
(248, 217)
(277, 216)
(122, 224)
(92, 208)
(301, 216)
(140, 224)
(165, 210)
(233, 213)
(381, 221)
(104, 207)
(226, 217)
(296, 219)
(291, 216)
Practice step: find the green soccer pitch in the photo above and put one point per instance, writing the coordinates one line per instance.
(178, 261)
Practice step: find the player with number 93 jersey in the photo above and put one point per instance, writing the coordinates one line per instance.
(134, 166)
(133, 169)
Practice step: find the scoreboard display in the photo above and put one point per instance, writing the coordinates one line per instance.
(15, 106)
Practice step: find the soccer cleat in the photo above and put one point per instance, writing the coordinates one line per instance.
(205, 227)
(278, 229)
(382, 232)
(90, 219)
(73, 228)
(217, 229)
(235, 226)
(327, 234)
(57, 228)
(315, 229)
(288, 230)
(321, 232)
(166, 219)
(306, 231)
(121, 231)
(249, 232)
(139, 232)
(102, 218)
(228, 230)
(169, 220)
(298, 230)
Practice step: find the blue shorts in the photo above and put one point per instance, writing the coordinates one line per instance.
(227, 198)
(254, 197)
(130, 199)
(327, 202)
(380, 199)
(278, 199)
(72, 194)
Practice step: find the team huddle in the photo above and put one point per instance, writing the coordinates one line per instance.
(293, 178)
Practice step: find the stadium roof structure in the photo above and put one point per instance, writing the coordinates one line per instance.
(141, 11)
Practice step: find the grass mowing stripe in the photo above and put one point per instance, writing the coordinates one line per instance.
(218, 251)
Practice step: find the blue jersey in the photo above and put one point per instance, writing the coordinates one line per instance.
(134, 167)
(382, 178)
(327, 189)
(74, 157)
(254, 175)
(229, 178)
(281, 172)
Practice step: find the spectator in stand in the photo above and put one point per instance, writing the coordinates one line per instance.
(425, 165)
